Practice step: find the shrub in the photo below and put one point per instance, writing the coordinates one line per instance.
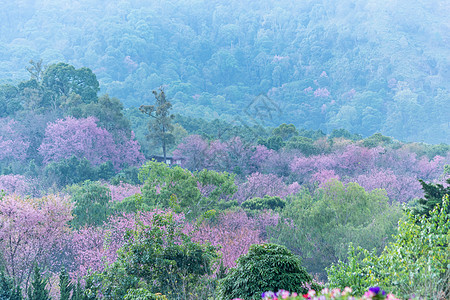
(265, 267)
(267, 202)
(416, 263)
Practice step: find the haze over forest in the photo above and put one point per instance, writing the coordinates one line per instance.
(366, 66)
(211, 149)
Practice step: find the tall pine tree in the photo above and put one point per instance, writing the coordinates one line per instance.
(160, 124)
(37, 290)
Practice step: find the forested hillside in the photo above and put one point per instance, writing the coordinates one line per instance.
(366, 66)
(224, 150)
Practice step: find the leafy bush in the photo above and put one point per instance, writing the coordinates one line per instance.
(267, 202)
(182, 190)
(265, 267)
(416, 263)
(321, 224)
(143, 294)
(74, 170)
(158, 258)
(92, 203)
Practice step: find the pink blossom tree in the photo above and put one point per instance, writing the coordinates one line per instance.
(84, 139)
(123, 190)
(16, 184)
(322, 92)
(355, 159)
(234, 231)
(429, 169)
(231, 156)
(13, 145)
(259, 185)
(128, 150)
(192, 152)
(321, 177)
(399, 188)
(32, 231)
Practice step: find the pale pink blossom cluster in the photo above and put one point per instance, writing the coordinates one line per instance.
(13, 144)
(321, 92)
(33, 230)
(82, 138)
(123, 190)
(15, 184)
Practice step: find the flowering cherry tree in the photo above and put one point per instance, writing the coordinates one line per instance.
(84, 139)
(32, 231)
(13, 145)
(234, 231)
(15, 184)
(259, 185)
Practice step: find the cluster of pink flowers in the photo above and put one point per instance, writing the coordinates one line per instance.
(322, 92)
(15, 184)
(84, 138)
(123, 190)
(326, 294)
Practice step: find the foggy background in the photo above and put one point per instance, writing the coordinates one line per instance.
(366, 66)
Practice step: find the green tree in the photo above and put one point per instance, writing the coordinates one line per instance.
(266, 267)
(9, 100)
(285, 131)
(91, 203)
(182, 190)
(160, 124)
(61, 80)
(325, 221)
(37, 290)
(267, 202)
(377, 139)
(109, 112)
(434, 193)
(304, 144)
(416, 263)
(74, 170)
(273, 142)
(157, 259)
(36, 69)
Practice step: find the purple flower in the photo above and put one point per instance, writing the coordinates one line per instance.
(376, 290)
(269, 295)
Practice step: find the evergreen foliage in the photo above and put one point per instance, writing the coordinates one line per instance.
(160, 125)
(266, 267)
(321, 222)
(267, 202)
(8, 290)
(65, 286)
(37, 290)
(160, 259)
(182, 190)
(434, 193)
(92, 203)
(415, 265)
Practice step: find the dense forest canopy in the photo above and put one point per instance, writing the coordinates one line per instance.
(212, 150)
(366, 66)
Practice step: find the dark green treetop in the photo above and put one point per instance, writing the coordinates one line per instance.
(266, 267)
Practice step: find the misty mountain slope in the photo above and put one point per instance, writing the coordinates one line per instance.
(367, 66)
